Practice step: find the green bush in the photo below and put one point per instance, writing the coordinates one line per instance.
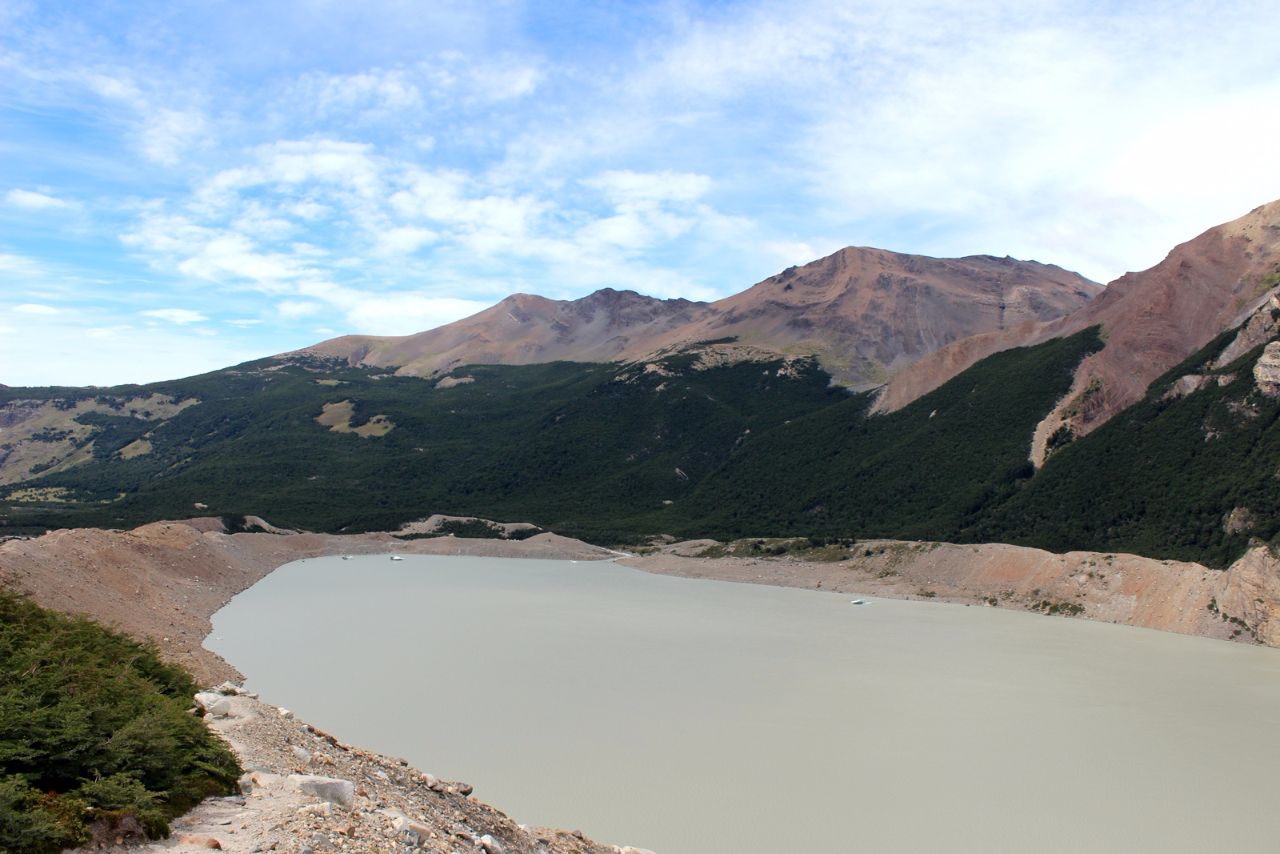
(94, 732)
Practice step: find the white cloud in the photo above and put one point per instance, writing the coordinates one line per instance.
(378, 90)
(33, 200)
(628, 187)
(181, 316)
(36, 308)
(405, 240)
(404, 314)
(293, 309)
(167, 135)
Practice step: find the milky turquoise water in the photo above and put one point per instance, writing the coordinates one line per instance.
(703, 716)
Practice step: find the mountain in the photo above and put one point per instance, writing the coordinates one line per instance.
(864, 313)
(1151, 321)
(523, 329)
(728, 437)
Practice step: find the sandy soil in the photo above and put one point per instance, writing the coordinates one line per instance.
(1241, 603)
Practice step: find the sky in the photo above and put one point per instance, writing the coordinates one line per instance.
(188, 185)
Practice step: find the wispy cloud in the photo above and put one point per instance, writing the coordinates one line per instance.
(180, 316)
(35, 201)
(36, 308)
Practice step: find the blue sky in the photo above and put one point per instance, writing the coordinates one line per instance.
(187, 185)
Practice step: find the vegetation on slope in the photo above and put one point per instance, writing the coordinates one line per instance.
(573, 447)
(1162, 478)
(95, 738)
(924, 472)
(616, 453)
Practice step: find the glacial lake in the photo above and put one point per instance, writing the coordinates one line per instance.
(698, 717)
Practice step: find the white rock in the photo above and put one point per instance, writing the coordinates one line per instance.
(286, 714)
(331, 789)
(214, 705)
(301, 753)
(489, 845)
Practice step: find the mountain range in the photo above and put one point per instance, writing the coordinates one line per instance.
(865, 394)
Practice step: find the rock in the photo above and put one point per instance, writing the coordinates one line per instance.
(325, 809)
(419, 830)
(301, 753)
(489, 845)
(1266, 371)
(263, 778)
(1239, 519)
(201, 840)
(331, 789)
(246, 783)
(213, 705)
(286, 714)
(229, 688)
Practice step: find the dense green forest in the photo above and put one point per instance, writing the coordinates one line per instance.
(619, 453)
(95, 738)
(1162, 477)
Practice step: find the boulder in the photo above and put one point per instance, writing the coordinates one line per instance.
(213, 704)
(1266, 371)
(331, 789)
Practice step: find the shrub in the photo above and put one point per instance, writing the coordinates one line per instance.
(94, 734)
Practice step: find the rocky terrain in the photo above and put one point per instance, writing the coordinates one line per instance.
(864, 313)
(1240, 603)
(304, 790)
(1151, 321)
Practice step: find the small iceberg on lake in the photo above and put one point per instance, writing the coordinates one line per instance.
(396, 557)
(859, 602)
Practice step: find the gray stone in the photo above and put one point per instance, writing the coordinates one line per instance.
(331, 789)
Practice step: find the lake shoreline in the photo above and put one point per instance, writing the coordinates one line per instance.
(163, 581)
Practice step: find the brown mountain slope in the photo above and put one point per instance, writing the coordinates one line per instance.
(864, 312)
(1151, 321)
(524, 329)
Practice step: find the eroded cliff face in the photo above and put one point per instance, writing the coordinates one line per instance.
(1247, 595)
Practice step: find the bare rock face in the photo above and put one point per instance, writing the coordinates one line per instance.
(864, 313)
(1266, 371)
(1151, 321)
(1192, 383)
(1262, 325)
(1250, 593)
